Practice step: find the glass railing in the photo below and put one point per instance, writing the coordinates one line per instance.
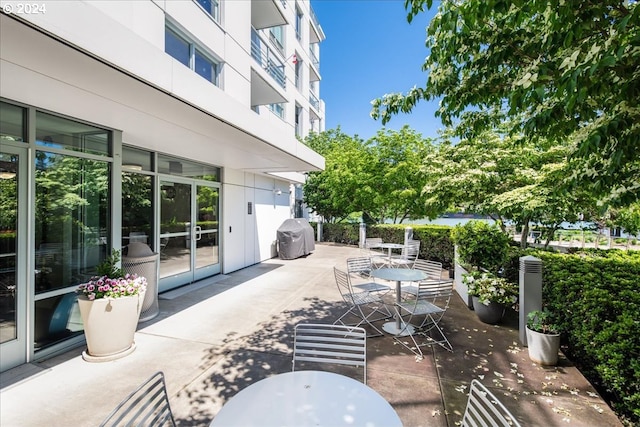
(314, 101)
(267, 59)
(314, 59)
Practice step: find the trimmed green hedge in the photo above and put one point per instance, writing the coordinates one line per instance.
(596, 293)
(435, 240)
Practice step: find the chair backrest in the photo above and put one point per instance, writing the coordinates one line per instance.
(372, 241)
(359, 265)
(334, 344)
(436, 292)
(148, 405)
(344, 285)
(484, 409)
(432, 268)
(411, 250)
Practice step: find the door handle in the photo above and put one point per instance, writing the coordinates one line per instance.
(198, 231)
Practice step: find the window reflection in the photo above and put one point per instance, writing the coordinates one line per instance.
(137, 208)
(72, 207)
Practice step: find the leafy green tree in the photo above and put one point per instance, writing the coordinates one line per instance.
(381, 178)
(334, 192)
(561, 70)
(396, 179)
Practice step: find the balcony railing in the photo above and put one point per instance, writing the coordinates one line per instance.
(267, 59)
(314, 101)
(314, 59)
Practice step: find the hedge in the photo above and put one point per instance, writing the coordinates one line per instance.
(596, 293)
(435, 240)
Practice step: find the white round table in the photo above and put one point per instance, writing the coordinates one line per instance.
(399, 275)
(307, 398)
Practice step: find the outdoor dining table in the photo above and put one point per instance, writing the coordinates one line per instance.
(307, 398)
(399, 275)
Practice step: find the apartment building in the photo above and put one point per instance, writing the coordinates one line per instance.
(176, 123)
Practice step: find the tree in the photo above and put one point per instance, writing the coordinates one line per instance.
(396, 179)
(335, 192)
(567, 71)
(380, 178)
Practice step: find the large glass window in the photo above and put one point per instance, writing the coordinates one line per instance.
(12, 122)
(8, 245)
(137, 208)
(57, 132)
(72, 221)
(180, 167)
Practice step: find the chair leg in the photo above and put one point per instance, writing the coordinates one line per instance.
(420, 331)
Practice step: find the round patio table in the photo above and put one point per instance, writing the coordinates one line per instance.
(307, 398)
(399, 275)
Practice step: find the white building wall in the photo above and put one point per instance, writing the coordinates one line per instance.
(130, 36)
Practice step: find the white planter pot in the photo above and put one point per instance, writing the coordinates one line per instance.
(109, 326)
(543, 348)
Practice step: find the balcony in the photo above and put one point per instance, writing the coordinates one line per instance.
(268, 77)
(316, 35)
(267, 13)
(314, 111)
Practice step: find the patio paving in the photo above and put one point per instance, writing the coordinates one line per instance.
(215, 338)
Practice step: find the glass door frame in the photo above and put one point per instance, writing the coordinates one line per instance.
(17, 351)
(193, 274)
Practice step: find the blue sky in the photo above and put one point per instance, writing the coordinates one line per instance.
(371, 49)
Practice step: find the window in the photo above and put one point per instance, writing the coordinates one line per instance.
(298, 70)
(12, 122)
(277, 109)
(177, 47)
(298, 120)
(277, 37)
(212, 7)
(192, 56)
(298, 24)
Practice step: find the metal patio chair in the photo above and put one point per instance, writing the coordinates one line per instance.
(334, 344)
(146, 406)
(367, 307)
(433, 269)
(430, 304)
(378, 257)
(485, 410)
(359, 268)
(408, 256)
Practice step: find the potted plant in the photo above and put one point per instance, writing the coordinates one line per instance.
(543, 337)
(490, 294)
(110, 305)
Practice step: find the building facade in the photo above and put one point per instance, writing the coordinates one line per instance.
(176, 123)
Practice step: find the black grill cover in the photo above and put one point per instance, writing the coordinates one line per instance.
(295, 238)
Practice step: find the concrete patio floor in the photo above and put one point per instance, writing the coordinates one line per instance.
(214, 338)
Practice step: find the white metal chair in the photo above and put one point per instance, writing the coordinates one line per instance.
(434, 271)
(484, 409)
(334, 344)
(408, 256)
(378, 257)
(359, 268)
(148, 405)
(431, 303)
(363, 305)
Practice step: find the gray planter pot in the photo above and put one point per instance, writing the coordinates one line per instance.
(543, 348)
(490, 314)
